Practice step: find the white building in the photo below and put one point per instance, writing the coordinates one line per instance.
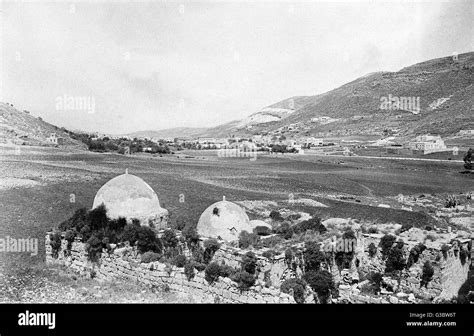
(428, 144)
(53, 138)
(466, 132)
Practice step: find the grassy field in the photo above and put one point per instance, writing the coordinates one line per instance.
(49, 177)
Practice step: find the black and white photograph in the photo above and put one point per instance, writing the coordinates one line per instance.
(237, 153)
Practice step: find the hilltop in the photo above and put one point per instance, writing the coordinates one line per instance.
(21, 128)
(444, 87)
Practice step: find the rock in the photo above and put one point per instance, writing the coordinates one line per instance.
(392, 299)
(402, 295)
(411, 297)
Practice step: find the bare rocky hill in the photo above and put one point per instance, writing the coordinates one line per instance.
(21, 128)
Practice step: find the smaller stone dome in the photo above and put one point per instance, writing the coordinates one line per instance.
(223, 220)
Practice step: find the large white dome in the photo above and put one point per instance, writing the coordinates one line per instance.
(129, 196)
(223, 220)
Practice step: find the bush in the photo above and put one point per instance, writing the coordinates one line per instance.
(386, 244)
(373, 229)
(395, 259)
(199, 266)
(149, 257)
(179, 260)
(249, 263)
(212, 272)
(148, 241)
(313, 257)
(189, 270)
(271, 242)
(444, 250)
(262, 231)
(210, 248)
(276, 216)
(55, 243)
(244, 280)
(130, 233)
(169, 239)
(269, 254)
(313, 224)
(376, 280)
(70, 236)
(427, 274)
(298, 286)
(97, 218)
(463, 255)
(76, 222)
(372, 250)
(93, 248)
(415, 253)
(227, 271)
(190, 234)
(248, 239)
(321, 282)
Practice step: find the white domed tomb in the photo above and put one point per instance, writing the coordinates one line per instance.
(129, 196)
(223, 220)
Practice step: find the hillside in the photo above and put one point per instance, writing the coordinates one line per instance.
(20, 127)
(444, 88)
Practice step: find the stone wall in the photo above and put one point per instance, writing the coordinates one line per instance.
(124, 263)
(449, 273)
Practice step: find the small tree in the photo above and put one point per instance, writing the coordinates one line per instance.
(395, 259)
(212, 272)
(321, 282)
(372, 250)
(427, 274)
(297, 286)
(386, 244)
(468, 159)
(249, 263)
(313, 257)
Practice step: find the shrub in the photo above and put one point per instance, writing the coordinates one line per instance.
(395, 259)
(149, 257)
(169, 239)
(76, 222)
(313, 224)
(276, 216)
(147, 240)
(190, 234)
(227, 271)
(179, 260)
(262, 231)
(55, 243)
(427, 274)
(372, 250)
(249, 262)
(199, 266)
(69, 237)
(321, 282)
(282, 229)
(386, 244)
(463, 255)
(295, 216)
(298, 286)
(248, 239)
(130, 233)
(97, 218)
(444, 250)
(373, 229)
(451, 202)
(313, 257)
(415, 253)
(189, 270)
(244, 280)
(269, 254)
(376, 280)
(212, 272)
(271, 241)
(210, 248)
(93, 248)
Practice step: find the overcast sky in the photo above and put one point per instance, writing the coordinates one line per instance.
(155, 65)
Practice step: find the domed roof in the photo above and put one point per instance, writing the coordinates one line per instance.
(128, 196)
(225, 220)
